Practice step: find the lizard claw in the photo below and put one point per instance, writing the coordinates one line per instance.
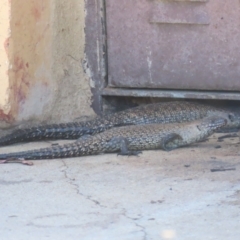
(16, 160)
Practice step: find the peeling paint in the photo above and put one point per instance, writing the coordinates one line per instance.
(149, 63)
(4, 62)
(37, 100)
(34, 84)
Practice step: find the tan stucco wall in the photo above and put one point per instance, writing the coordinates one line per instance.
(43, 72)
(73, 97)
(4, 61)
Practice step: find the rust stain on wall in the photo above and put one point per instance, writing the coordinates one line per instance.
(36, 11)
(6, 45)
(21, 87)
(29, 51)
(6, 117)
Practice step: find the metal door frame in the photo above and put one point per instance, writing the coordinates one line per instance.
(96, 63)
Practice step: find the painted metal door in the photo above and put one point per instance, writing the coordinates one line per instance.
(174, 44)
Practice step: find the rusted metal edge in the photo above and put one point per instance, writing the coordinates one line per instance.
(96, 50)
(171, 94)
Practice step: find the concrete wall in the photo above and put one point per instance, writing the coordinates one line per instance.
(42, 50)
(4, 61)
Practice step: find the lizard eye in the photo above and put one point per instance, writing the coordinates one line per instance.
(231, 117)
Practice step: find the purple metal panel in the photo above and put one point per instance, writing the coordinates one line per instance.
(174, 44)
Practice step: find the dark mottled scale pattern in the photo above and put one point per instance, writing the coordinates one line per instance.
(168, 112)
(137, 137)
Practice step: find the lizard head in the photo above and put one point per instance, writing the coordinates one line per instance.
(213, 123)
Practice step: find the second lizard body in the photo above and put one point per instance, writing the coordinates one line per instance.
(168, 112)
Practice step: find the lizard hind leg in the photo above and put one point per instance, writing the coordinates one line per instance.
(120, 145)
(170, 141)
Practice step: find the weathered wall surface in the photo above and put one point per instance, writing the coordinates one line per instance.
(73, 98)
(42, 78)
(4, 61)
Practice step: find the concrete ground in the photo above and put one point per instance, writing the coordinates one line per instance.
(160, 195)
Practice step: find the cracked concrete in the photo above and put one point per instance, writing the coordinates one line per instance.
(158, 195)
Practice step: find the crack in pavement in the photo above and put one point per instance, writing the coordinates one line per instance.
(142, 228)
(76, 187)
(97, 203)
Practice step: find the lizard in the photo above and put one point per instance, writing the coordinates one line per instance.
(129, 140)
(163, 112)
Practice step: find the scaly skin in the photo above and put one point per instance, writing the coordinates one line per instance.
(128, 140)
(168, 112)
